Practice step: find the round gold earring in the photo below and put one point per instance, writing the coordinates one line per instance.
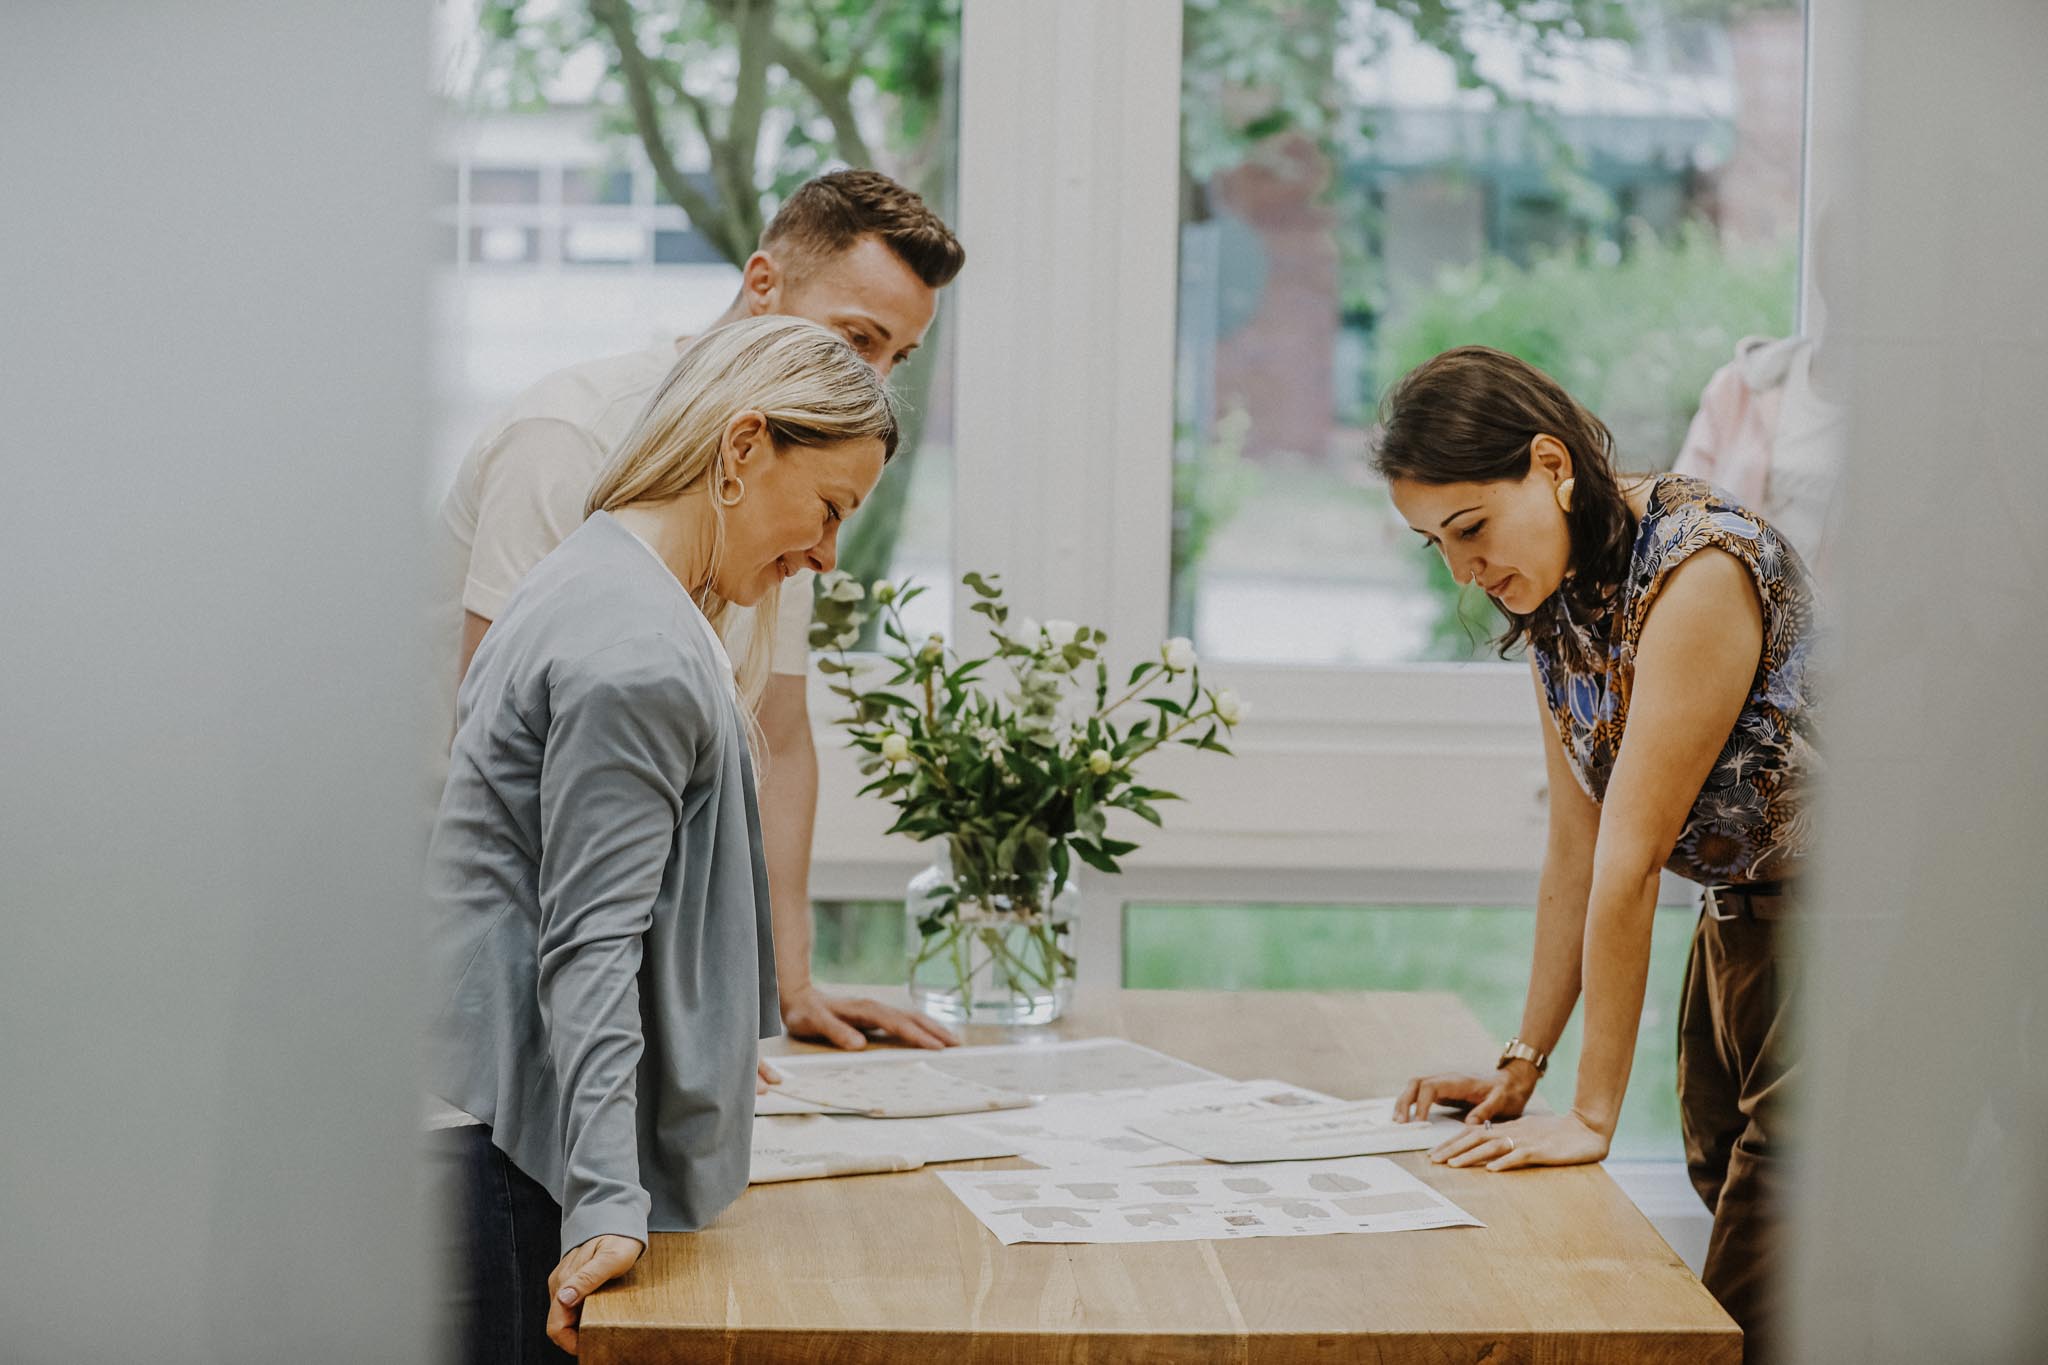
(736, 482)
(1564, 494)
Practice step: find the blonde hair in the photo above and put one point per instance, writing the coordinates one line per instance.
(810, 388)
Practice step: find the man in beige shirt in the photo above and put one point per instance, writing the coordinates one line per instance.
(853, 251)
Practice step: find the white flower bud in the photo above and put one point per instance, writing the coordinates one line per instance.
(1061, 633)
(1229, 709)
(1178, 654)
(1100, 762)
(895, 748)
(885, 591)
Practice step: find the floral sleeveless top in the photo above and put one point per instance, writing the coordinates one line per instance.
(1753, 819)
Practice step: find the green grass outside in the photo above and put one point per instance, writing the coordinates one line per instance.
(1478, 953)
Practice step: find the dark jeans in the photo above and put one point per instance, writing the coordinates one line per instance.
(503, 1241)
(1737, 1063)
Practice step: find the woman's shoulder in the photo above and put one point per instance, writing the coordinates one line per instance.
(1685, 514)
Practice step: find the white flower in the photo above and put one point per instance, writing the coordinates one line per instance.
(1229, 709)
(1061, 633)
(847, 589)
(1100, 762)
(934, 646)
(1179, 654)
(1026, 633)
(895, 748)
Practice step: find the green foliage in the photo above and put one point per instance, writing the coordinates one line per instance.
(1256, 70)
(1633, 335)
(1020, 782)
(1211, 480)
(769, 89)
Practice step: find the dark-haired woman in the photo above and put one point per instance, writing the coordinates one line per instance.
(1670, 633)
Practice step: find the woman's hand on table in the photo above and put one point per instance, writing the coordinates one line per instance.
(1500, 1094)
(765, 1076)
(1537, 1140)
(593, 1263)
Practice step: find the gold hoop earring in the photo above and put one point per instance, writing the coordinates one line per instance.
(736, 482)
(1564, 494)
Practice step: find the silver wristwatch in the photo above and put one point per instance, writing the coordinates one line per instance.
(1515, 1050)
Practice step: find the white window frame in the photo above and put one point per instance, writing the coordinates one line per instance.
(1410, 784)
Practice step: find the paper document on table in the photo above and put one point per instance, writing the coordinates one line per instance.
(810, 1147)
(1202, 1203)
(885, 1086)
(1082, 1065)
(1050, 1068)
(1099, 1129)
(1273, 1123)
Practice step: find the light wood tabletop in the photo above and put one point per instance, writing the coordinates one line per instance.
(888, 1268)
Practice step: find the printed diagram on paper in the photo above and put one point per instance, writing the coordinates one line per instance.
(1085, 1065)
(1104, 1129)
(886, 1086)
(1201, 1203)
(1274, 1122)
(814, 1146)
(967, 1079)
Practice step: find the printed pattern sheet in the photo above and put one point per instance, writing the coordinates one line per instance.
(1202, 1203)
(810, 1147)
(889, 1085)
(1273, 1122)
(1077, 1066)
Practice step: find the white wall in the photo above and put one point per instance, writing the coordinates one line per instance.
(1924, 1210)
(212, 363)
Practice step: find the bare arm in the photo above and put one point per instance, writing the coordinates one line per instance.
(1694, 667)
(789, 810)
(1553, 967)
(473, 628)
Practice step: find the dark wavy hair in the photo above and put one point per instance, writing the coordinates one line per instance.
(1471, 415)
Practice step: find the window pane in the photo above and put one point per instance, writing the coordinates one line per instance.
(858, 943)
(1480, 954)
(602, 242)
(550, 117)
(596, 185)
(504, 244)
(1609, 189)
(503, 185)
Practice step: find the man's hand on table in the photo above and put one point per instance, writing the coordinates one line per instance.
(586, 1267)
(810, 1014)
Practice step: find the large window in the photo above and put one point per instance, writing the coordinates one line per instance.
(1478, 953)
(571, 230)
(1607, 188)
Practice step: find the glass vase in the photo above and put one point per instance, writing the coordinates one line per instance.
(989, 958)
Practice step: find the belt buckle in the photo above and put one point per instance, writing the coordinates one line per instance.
(1711, 903)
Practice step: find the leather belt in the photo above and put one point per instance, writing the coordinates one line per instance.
(1756, 900)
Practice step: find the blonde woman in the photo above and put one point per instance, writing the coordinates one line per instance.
(600, 942)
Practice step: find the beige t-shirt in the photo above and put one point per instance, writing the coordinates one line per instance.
(519, 491)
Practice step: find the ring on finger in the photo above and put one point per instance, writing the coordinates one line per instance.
(1511, 1144)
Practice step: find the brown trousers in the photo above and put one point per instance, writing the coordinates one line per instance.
(1737, 1058)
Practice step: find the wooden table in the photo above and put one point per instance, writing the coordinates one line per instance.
(889, 1268)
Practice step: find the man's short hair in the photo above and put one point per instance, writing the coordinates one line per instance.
(829, 213)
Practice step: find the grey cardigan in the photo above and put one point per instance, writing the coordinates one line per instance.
(599, 942)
